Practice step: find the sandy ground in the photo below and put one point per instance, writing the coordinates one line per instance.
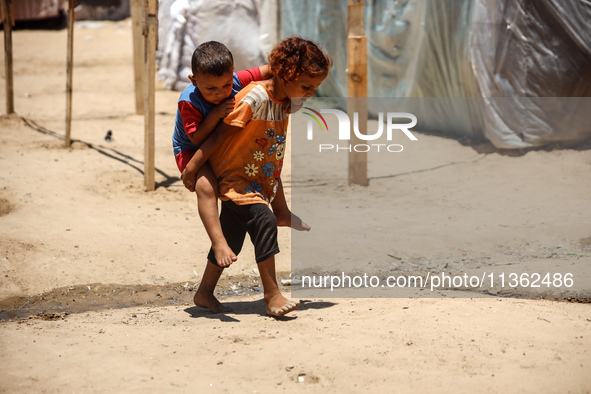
(79, 218)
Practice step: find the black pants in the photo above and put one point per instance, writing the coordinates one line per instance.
(255, 219)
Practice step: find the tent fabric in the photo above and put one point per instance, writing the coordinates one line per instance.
(535, 55)
(239, 24)
(525, 64)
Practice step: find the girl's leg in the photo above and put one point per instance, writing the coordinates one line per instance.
(204, 296)
(207, 203)
(261, 225)
(235, 233)
(276, 303)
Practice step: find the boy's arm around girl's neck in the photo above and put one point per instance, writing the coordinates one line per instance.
(265, 72)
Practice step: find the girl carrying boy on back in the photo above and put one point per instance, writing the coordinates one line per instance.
(246, 154)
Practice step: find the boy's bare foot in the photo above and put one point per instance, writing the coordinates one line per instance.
(288, 219)
(224, 255)
(277, 305)
(209, 302)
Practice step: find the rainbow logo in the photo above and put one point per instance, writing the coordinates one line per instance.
(316, 119)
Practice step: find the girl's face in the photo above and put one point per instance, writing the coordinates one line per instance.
(303, 87)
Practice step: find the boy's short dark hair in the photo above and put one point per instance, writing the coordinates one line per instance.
(213, 58)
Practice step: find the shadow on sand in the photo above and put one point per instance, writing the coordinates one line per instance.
(256, 307)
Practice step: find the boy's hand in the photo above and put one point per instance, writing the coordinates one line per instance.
(189, 177)
(265, 72)
(223, 109)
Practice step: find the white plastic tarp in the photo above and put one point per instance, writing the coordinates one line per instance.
(481, 49)
(245, 26)
(468, 48)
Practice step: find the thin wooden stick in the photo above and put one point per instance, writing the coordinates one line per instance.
(149, 109)
(357, 87)
(138, 54)
(70, 71)
(8, 21)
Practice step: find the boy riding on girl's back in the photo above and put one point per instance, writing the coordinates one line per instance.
(201, 106)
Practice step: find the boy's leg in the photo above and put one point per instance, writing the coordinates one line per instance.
(207, 190)
(276, 303)
(283, 214)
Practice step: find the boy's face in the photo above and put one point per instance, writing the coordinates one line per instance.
(214, 89)
(303, 87)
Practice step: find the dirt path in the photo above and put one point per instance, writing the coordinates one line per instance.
(79, 233)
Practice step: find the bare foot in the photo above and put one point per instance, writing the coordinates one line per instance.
(209, 302)
(288, 219)
(277, 305)
(224, 255)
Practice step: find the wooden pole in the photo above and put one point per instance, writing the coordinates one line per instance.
(138, 54)
(69, 71)
(150, 30)
(8, 21)
(357, 86)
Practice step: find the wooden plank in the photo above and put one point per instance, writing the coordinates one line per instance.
(355, 18)
(69, 71)
(357, 87)
(8, 21)
(151, 31)
(138, 53)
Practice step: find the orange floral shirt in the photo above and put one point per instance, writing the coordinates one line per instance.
(248, 164)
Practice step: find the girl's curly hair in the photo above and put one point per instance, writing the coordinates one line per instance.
(296, 56)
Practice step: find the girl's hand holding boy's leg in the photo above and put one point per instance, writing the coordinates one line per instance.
(189, 177)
